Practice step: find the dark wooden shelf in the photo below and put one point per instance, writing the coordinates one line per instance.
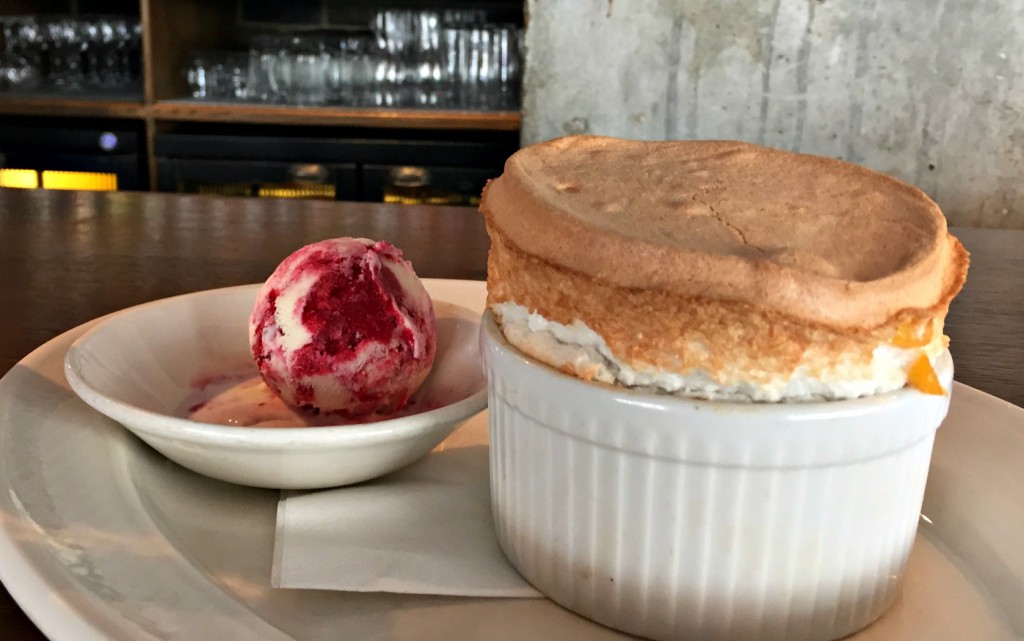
(196, 111)
(72, 106)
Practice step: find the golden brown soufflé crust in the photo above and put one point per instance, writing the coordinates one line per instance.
(716, 254)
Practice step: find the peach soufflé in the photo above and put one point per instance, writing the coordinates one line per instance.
(719, 270)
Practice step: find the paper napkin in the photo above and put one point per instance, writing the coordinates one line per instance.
(425, 529)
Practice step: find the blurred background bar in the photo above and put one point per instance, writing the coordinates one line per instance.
(931, 94)
(406, 102)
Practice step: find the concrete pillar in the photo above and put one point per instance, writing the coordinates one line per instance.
(929, 91)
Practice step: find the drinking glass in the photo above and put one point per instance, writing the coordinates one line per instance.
(17, 73)
(468, 52)
(264, 55)
(506, 53)
(410, 70)
(483, 66)
(338, 68)
(218, 75)
(281, 78)
(309, 59)
(236, 75)
(429, 87)
(92, 41)
(122, 32)
(393, 29)
(59, 43)
(134, 50)
(196, 74)
(24, 37)
(364, 55)
(111, 39)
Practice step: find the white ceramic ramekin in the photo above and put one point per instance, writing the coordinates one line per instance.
(674, 518)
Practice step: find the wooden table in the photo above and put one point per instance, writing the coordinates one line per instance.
(67, 257)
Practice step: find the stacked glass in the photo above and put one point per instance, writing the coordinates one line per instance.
(483, 65)
(411, 58)
(218, 75)
(311, 69)
(450, 58)
(69, 53)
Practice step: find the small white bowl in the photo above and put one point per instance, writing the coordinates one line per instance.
(139, 366)
(683, 519)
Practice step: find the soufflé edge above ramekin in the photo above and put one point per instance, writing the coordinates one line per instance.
(752, 277)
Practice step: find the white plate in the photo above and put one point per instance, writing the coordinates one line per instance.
(103, 538)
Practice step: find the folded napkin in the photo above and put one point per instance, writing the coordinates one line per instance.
(425, 529)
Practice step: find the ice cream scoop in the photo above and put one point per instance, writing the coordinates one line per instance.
(344, 326)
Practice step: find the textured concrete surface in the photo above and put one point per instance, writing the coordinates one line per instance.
(929, 91)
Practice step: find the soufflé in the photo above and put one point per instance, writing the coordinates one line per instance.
(715, 374)
(719, 270)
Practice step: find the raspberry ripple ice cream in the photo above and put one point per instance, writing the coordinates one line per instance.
(344, 326)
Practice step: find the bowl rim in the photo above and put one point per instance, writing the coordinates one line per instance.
(164, 425)
(664, 402)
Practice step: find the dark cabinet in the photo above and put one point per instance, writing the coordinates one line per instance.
(359, 167)
(106, 147)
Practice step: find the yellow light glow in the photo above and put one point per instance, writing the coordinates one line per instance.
(19, 178)
(320, 192)
(79, 180)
